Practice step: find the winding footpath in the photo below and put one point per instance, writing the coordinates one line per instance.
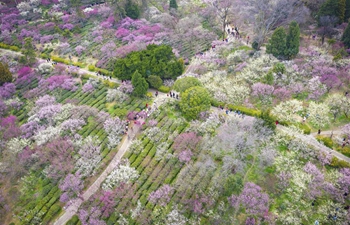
(75, 204)
(72, 209)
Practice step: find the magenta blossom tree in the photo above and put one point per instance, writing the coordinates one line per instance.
(71, 187)
(9, 128)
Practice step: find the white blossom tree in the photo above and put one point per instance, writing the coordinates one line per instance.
(285, 111)
(318, 114)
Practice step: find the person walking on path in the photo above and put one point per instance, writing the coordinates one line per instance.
(248, 40)
(319, 132)
(276, 122)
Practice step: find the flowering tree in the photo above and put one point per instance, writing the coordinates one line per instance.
(161, 196)
(121, 174)
(335, 104)
(7, 90)
(185, 156)
(252, 199)
(262, 91)
(316, 88)
(126, 87)
(71, 187)
(286, 111)
(318, 114)
(315, 185)
(331, 81)
(91, 217)
(114, 128)
(89, 157)
(186, 141)
(9, 128)
(57, 154)
(88, 87)
(72, 125)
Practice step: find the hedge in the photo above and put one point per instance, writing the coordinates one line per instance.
(326, 141)
(66, 61)
(336, 163)
(74, 220)
(10, 47)
(164, 89)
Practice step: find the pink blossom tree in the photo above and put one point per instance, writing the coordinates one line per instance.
(7, 90)
(331, 81)
(252, 199)
(262, 91)
(161, 196)
(126, 87)
(186, 141)
(185, 156)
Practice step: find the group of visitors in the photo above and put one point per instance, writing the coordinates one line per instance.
(173, 95)
(50, 61)
(99, 74)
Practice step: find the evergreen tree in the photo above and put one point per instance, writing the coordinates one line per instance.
(277, 43)
(347, 11)
(155, 81)
(28, 51)
(5, 74)
(341, 10)
(140, 84)
(333, 8)
(132, 10)
(173, 4)
(293, 40)
(346, 36)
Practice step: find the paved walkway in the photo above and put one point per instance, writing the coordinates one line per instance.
(310, 139)
(73, 208)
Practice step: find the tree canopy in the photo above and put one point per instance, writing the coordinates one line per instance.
(346, 36)
(277, 43)
(140, 84)
(157, 60)
(334, 8)
(293, 40)
(185, 83)
(193, 101)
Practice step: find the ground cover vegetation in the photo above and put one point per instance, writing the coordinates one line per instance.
(211, 151)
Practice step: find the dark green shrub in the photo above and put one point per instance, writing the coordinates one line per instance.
(155, 81)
